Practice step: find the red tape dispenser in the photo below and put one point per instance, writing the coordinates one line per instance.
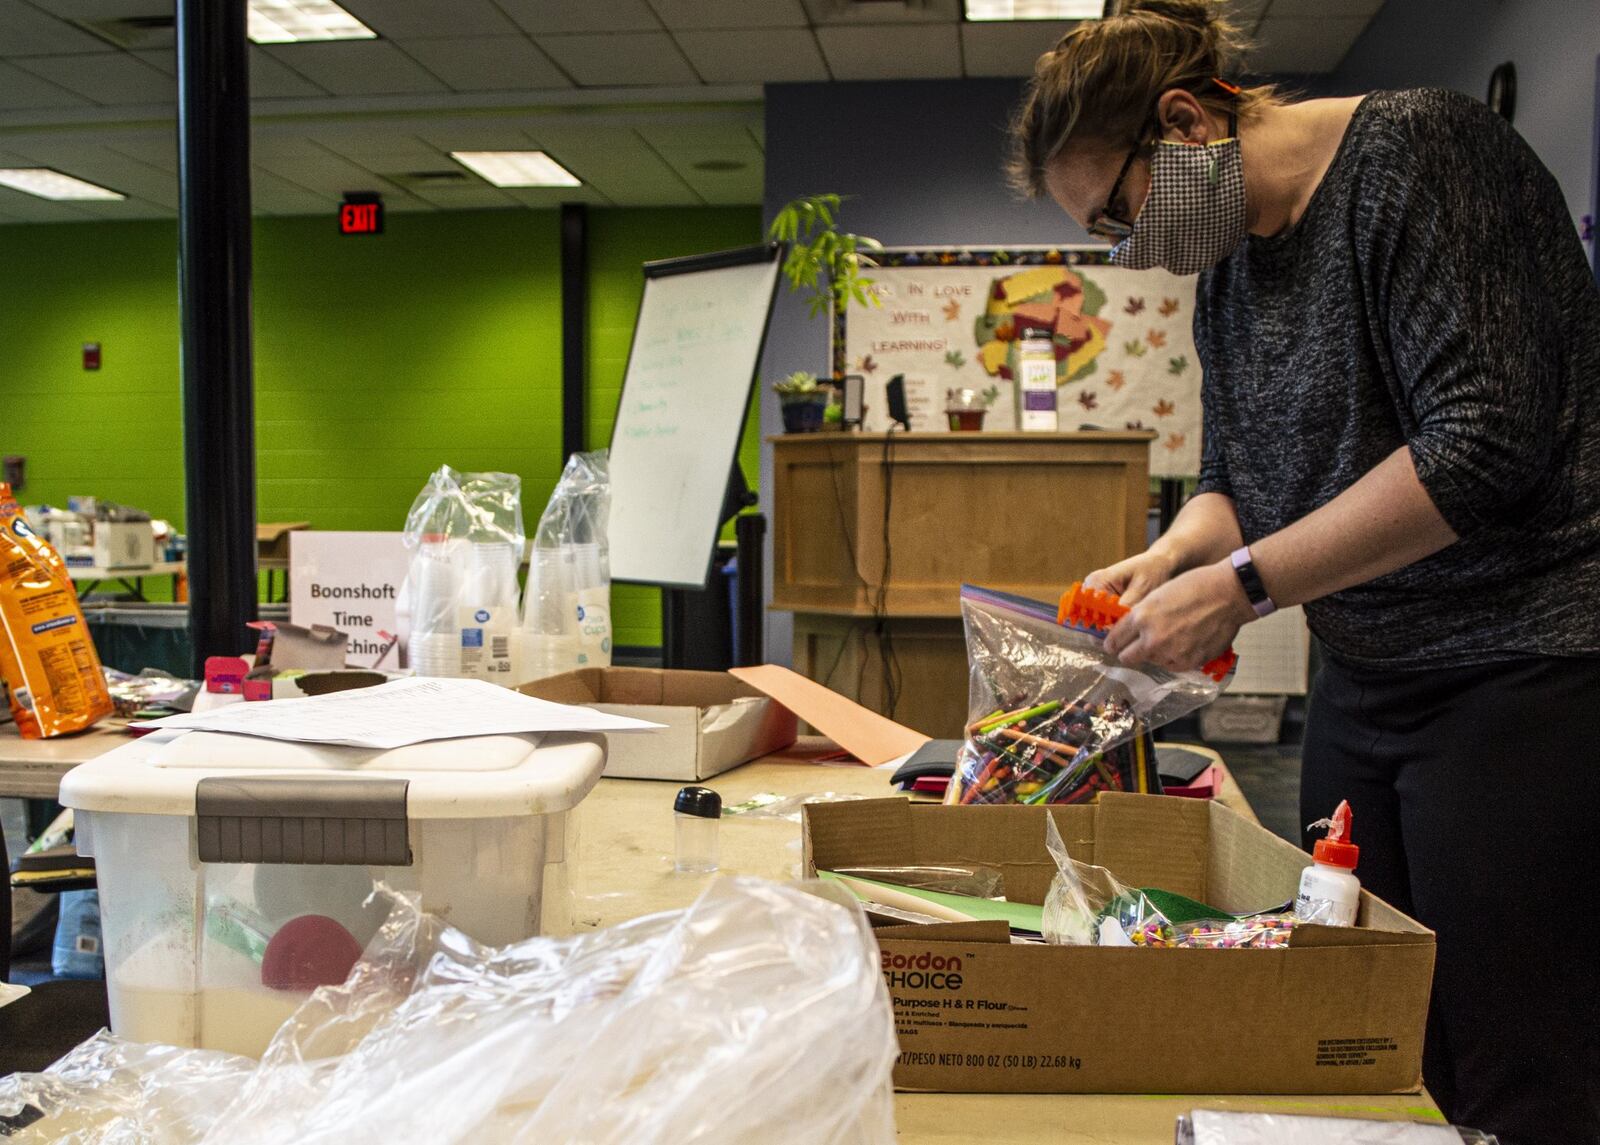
(1097, 611)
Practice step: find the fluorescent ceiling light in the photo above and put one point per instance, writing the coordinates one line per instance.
(295, 21)
(517, 168)
(49, 184)
(984, 10)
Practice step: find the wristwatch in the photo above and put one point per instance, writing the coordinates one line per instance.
(1251, 580)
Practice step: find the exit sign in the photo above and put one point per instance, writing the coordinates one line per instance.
(361, 214)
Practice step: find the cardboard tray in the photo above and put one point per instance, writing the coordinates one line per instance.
(1341, 1011)
(713, 721)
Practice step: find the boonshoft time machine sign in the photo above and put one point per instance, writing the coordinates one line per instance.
(351, 582)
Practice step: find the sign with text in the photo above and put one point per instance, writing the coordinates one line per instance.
(361, 214)
(350, 581)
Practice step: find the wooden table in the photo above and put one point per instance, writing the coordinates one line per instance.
(86, 578)
(624, 869)
(32, 768)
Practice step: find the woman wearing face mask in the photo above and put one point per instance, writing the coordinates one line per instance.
(1401, 342)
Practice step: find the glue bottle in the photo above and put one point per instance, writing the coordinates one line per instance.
(1329, 893)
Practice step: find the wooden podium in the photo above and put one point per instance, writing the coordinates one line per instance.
(900, 522)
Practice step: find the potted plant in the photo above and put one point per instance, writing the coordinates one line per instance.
(803, 402)
(965, 408)
(824, 261)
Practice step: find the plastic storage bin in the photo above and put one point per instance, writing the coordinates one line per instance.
(213, 851)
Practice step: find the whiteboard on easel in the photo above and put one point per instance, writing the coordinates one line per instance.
(696, 348)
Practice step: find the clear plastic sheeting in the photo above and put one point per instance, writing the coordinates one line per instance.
(757, 1014)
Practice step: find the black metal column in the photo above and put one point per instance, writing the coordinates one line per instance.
(574, 324)
(214, 296)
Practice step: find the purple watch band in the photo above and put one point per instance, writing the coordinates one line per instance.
(1251, 581)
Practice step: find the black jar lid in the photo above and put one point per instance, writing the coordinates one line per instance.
(701, 801)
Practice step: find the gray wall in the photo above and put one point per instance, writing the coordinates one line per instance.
(1457, 43)
(921, 161)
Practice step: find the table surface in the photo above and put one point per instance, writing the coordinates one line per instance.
(624, 846)
(96, 572)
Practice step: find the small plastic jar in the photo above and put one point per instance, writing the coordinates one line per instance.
(696, 813)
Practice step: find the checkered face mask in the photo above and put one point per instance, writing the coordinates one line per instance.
(1193, 217)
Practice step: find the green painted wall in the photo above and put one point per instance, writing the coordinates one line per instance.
(376, 359)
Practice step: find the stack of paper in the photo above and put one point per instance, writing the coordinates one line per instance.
(399, 713)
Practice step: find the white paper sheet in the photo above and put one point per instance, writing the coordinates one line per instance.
(402, 712)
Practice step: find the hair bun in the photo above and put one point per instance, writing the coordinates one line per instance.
(1200, 13)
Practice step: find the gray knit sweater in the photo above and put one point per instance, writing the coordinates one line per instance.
(1435, 295)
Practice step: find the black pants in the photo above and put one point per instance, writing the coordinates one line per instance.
(1476, 796)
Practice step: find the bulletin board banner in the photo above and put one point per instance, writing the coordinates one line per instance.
(948, 319)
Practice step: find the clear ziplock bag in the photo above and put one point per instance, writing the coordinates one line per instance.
(566, 613)
(1052, 718)
(460, 597)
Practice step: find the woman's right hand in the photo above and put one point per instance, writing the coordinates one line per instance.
(1133, 579)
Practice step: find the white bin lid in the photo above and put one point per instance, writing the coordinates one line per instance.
(479, 777)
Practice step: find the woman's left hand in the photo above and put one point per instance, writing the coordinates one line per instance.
(1184, 623)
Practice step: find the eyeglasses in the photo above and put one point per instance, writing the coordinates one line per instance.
(1106, 225)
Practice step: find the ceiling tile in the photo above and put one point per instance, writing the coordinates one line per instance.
(929, 12)
(159, 151)
(22, 91)
(699, 136)
(312, 166)
(754, 55)
(475, 196)
(1304, 46)
(357, 67)
(873, 52)
(1009, 49)
(623, 59)
(487, 136)
(416, 19)
(105, 9)
(31, 209)
(487, 63)
(382, 151)
(616, 162)
(26, 31)
(730, 188)
(129, 209)
(542, 16)
(678, 14)
(101, 165)
(108, 78)
(1322, 9)
(271, 78)
(548, 198)
(273, 195)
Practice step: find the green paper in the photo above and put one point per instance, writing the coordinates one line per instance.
(1017, 915)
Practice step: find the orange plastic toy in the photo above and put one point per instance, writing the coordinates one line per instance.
(1093, 609)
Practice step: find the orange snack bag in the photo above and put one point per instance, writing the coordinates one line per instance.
(46, 655)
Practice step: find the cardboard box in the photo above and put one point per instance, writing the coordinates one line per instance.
(713, 721)
(1340, 1011)
(124, 545)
